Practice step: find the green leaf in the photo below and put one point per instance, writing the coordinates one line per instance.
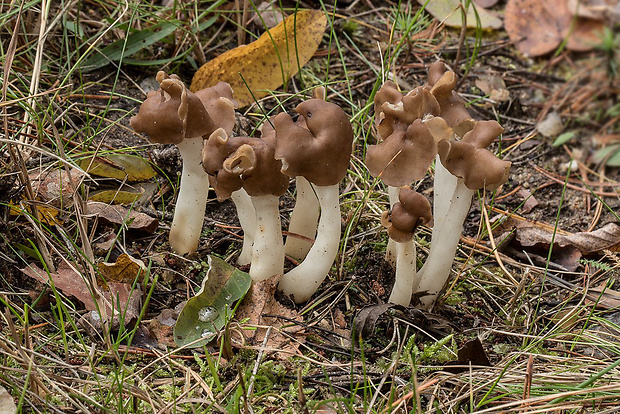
(614, 160)
(563, 138)
(207, 312)
(120, 166)
(133, 43)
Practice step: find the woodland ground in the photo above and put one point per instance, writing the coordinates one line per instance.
(541, 335)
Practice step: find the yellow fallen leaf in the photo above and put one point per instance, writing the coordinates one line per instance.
(48, 214)
(268, 62)
(120, 166)
(117, 196)
(125, 270)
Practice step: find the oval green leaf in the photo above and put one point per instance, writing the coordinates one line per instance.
(204, 315)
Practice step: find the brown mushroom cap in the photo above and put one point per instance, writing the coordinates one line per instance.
(442, 82)
(417, 104)
(412, 210)
(388, 94)
(172, 113)
(216, 149)
(219, 103)
(483, 133)
(236, 162)
(404, 156)
(478, 167)
(259, 170)
(318, 146)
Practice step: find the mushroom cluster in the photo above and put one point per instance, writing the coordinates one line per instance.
(430, 123)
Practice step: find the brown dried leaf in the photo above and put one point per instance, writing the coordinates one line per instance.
(539, 27)
(568, 248)
(471, 352)
(530, 202)
(494, 87)
(605, 298)
(120, 296)
(67, 279)
(120, 215)
(260, 302)
(54, 187)
(269, 61)
(607, 237)
(608, 10)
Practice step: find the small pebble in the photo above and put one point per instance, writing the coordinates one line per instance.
(551, 126)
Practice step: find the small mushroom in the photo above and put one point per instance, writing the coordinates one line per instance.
(305, 215)
(476, 168)
(174, 115)
(248, 163)
(411, 211)
(319, 149)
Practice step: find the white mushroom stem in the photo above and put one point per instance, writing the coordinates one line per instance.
(391, 252)
(268, 248)
(304, 220)
(189, 212)
(436, 269)
(405, 273)
(302, 281)
(444, 185)
(247, 219)
(443, 188)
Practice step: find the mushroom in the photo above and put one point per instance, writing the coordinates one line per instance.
(217, 148)
(475, 168)
(249, 163)
(400, 159)
(319, 149)
(305, 215)
(174, 115)
(412, 210)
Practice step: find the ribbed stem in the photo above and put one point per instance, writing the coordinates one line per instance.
(189, 212)
(405, 273)
(247, 219)
(391, 252)
(304, 220)
(436, 270)
(268, 248)
(305, 279)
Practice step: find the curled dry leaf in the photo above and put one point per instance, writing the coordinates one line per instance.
(259, 308)
(539, 27)
(568, 248)
(268, 62)
(121, 216)
(607, 237)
